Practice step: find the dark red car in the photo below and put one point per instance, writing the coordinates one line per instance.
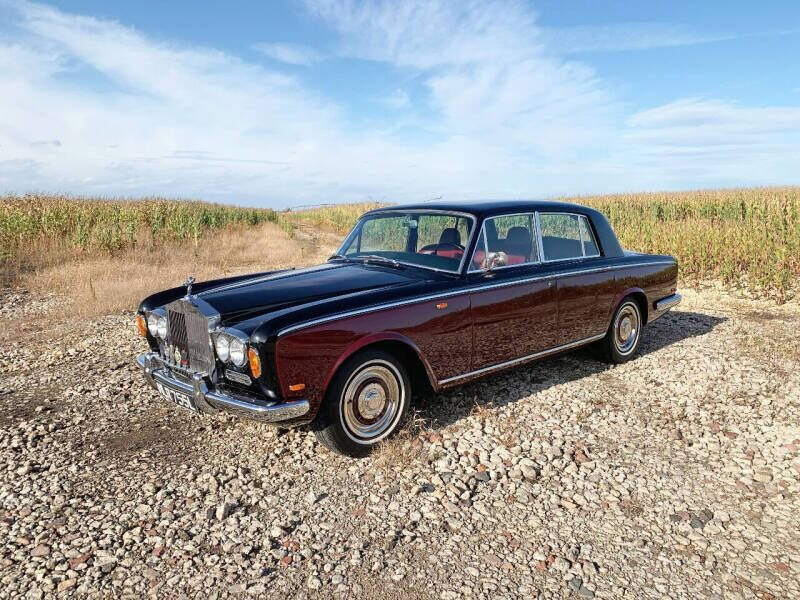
(431, 294)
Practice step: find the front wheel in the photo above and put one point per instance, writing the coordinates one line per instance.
(622, 338)
(366, 402)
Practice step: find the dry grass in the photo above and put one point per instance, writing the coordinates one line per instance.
(42, 230)
(338, 218)
(103, 283)
(405, 447)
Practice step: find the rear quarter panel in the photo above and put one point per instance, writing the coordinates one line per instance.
(656, 280)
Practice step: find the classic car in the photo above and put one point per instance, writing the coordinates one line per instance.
(427, 295)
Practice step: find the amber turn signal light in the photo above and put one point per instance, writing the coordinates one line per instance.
(142, 325)
(255, 362)
(297, 387)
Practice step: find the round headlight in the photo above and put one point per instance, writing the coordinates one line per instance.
(162, 327)
(152, 324)
(223, 346)
(238, 352)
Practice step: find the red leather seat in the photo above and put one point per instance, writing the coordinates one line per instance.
(517, 245)
(449, 238)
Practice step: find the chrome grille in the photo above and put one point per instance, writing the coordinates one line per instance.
(187, 330)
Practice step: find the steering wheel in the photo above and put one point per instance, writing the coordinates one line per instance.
(434, 248)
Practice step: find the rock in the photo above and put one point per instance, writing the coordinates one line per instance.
(40, 550)
(313, 583)
(224, 510)
(312, 497)
(561, 564)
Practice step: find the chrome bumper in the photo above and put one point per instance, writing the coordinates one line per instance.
(209, 400)
(668, 302)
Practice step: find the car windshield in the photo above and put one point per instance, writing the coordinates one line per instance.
(431, 240)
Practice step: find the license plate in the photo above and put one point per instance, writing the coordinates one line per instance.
(181, 399)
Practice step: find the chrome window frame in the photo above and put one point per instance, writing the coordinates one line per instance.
(580, 233)
(534, 233)
(431, 211)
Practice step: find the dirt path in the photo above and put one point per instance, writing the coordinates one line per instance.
(675, 475)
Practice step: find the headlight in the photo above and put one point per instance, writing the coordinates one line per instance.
(238, 352)
(162, 327)
(157, 325)
(152, 324)
(223, 346)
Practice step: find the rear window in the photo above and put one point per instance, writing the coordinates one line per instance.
(566, 236)
(561, 236)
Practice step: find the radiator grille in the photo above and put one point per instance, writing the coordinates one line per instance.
(187, 330)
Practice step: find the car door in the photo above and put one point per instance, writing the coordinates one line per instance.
(584, 289)
(513, 312)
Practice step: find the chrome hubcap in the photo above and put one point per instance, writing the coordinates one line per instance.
(372, 402)
(626, 328)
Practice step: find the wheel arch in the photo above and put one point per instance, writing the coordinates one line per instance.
(638, 295)
(419, 369)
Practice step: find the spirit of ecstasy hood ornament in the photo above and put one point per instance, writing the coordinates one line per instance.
(188, 285)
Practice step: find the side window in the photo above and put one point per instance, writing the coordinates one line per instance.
(561, 237)
(445, 231)
(512, 235)
(589, 244)
(382, 233)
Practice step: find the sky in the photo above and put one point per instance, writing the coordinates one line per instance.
(290, 103)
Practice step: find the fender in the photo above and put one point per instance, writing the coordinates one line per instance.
(383, 336)
(618, 298)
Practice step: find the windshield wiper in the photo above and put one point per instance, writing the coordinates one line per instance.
(338, 257)
(381, 260)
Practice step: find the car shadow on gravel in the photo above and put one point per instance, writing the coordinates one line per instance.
(445, 408)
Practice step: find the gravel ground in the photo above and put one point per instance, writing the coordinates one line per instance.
(676, 475)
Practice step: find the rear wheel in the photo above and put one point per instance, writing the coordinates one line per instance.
(366, 402)
(622, 338)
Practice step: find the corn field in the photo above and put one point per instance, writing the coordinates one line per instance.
(744, 238)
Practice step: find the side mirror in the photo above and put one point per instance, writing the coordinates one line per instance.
(494, 260)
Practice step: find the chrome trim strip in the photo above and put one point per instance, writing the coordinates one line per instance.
(209, 401)
(466, 290)
(668, 302)
(515, 361)
(420, 211)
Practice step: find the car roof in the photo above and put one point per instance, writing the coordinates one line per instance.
(484, 208)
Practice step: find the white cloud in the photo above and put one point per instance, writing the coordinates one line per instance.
(614, 37)
(716, 141)
(488, 73)
(89, 105)
(293, 54)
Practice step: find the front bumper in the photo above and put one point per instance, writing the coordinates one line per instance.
(210, 400)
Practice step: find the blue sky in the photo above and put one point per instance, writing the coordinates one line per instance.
(287, 103)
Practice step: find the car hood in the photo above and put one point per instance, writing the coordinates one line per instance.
(250, 297)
